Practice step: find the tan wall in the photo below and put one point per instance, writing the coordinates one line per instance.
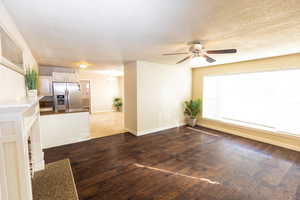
(12, 84)
(103, 90)
(275, 63)
(130, 97)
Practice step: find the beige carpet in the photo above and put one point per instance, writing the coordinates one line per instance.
(55, 182)
(107, 123)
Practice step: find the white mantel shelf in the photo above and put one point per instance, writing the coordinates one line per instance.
(19, 104)
(19, 122)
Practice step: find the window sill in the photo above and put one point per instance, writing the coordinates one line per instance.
(269, 131)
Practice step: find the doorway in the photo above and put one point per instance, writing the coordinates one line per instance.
(85, 90)
(106, 123)
(98, 94)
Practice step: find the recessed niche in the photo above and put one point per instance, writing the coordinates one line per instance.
(11, 55)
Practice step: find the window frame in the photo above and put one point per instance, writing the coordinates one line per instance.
(245, 125)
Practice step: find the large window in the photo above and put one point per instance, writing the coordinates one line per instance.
(265, 100)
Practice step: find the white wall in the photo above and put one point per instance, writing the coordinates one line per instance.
(160, 92)
(103, 89)
(60, 129)
(12, 84)
(162, 89)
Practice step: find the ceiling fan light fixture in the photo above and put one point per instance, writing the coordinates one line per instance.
(198, 55)
(197, 60)
(198, 46)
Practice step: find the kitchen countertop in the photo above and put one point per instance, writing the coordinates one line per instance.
(61, 112)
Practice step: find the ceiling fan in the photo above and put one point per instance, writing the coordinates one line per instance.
(196, 51)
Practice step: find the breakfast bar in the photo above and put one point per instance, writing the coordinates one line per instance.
(59, 128)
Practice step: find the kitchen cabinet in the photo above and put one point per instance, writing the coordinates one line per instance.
(45, 85)
(65, 77)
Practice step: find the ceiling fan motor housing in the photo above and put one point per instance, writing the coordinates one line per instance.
(195, 48)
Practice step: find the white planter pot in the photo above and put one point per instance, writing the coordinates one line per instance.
(32, 93)
(191, 122)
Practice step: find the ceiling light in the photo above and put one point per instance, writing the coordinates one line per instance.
(83, 66)
(197, 60)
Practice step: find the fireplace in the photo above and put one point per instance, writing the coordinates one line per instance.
(21, 153)
(30, 156)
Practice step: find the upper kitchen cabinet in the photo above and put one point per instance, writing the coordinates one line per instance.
(45, 85)
(74, 77)
(65, 77)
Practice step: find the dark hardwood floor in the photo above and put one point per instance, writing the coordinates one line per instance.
(181, 164)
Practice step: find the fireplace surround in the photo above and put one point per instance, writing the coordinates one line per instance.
(20, 148)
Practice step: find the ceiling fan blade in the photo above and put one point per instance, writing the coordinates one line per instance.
(221, 51)
(171, 54)
(209, 59)
(184, 59)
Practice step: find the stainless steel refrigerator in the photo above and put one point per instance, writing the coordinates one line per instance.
(67, 96)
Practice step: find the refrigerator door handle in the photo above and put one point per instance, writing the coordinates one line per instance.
(67, 100)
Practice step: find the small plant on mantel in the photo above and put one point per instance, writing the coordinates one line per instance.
(192, 109)
(117, 103)
(31, 79)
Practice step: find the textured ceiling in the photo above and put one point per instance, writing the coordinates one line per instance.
(108, 33)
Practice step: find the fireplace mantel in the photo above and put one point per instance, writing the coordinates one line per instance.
(19, 123)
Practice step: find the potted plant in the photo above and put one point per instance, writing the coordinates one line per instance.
(117, 103)
(31, 78)
(192, 109)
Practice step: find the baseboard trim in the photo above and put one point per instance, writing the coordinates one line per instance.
(252, 137)
(131, 131)
(101, 111)
(67, 142)
(145, 132)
